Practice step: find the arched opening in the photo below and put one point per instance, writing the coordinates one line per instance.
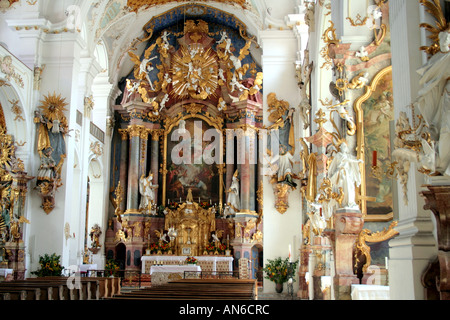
(121, 253)
(257, 263)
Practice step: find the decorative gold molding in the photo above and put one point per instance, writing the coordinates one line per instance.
(367, 236)
(359, 21)
(434, 8)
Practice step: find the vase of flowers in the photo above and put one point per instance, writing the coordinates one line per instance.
(191, 260)
(111, 268)
(277, 270)
(49, 266)
(210, 248)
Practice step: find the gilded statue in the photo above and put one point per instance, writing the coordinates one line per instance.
(95, 234)
(52, 129)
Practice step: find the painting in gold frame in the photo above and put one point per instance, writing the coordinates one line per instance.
(374, 114)
(214, 184)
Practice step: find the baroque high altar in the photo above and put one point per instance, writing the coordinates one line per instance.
(192, 99)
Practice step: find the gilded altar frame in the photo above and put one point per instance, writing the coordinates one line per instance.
(192, 111)
(361, 148)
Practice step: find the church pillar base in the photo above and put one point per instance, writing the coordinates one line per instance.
(343, 286)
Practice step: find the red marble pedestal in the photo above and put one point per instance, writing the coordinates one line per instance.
(348, 225)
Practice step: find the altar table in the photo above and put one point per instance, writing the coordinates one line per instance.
(166, 273)
(207, 263)
(4, 273)
(174, 268)
(370, 292)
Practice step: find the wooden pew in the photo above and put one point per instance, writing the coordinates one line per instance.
(53, 289)
(196, 289)
(20, 293)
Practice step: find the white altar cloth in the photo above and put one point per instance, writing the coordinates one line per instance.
(207, 263)
(175, 268)
(370, 292)
(86, 267)
(4, 272)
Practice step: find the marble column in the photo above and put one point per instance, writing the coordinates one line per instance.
(133, 168)
(123, 164)
(154, 160)
(230, 159)
(410, 251)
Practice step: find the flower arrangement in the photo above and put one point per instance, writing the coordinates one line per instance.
(191, 260)
(221, 248)
(111, 267)
(49, 266)
(163, 247)
(277, 270)
(210, 247)
(205, 204)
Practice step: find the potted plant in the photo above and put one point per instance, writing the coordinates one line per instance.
(277, 271)
(49, 266)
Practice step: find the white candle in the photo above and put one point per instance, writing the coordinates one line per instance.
(290, 258)
(386, 262)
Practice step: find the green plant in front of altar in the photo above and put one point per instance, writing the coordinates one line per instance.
(112, 267)
(49, 266)
(277, 270)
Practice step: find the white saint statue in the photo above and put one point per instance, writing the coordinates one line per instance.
(147, 192)
(233, 203)
(434, 105)
(286, 161)
(345, 173)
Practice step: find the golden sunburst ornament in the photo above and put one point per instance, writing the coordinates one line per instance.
(195, 73)
(53, 107)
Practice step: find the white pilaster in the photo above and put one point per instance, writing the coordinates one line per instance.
(413, 248)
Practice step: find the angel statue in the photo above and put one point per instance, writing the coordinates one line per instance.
(144, 67)
(233, 204)
(162, 236)
(345, 173)
(215, 237)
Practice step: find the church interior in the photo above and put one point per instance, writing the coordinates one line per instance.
(293, 146)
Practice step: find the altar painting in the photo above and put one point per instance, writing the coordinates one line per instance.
(378, 115)
(192, 173)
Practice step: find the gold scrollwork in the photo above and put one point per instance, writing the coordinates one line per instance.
(367, 236)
